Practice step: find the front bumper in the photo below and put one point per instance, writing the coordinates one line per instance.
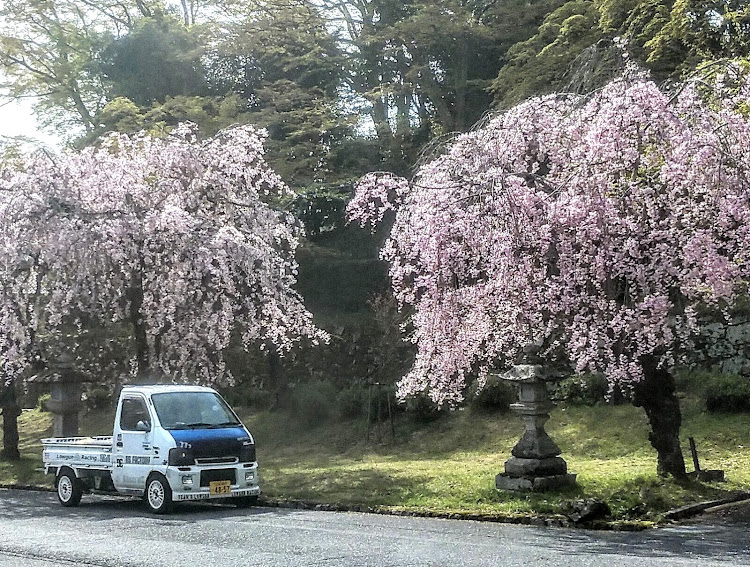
(205, 495)
(185, 482)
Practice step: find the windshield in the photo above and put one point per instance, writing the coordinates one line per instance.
(193, 410)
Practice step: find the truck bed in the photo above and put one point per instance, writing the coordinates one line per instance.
(78, 452)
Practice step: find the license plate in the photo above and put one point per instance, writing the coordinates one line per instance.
(220, 487)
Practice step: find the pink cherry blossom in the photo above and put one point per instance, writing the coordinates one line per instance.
(172, 238)
(585, 231)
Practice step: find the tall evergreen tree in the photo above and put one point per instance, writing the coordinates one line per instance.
(579, 46)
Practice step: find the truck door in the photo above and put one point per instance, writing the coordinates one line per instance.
(133, 445)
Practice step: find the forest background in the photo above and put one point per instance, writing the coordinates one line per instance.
(342, 88)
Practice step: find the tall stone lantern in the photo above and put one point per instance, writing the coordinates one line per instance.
(536, 464)
(65, 386)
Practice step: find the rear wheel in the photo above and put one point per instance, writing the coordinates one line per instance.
(69, 490)
(158, 494)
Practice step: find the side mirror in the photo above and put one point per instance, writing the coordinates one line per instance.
(143, 426)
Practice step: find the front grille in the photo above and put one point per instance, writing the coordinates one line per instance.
(211, 475)
(208, 449)
(217, 461)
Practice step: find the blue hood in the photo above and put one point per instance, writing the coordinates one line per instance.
(211, 443)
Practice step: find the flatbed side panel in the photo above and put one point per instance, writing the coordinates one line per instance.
(87, 457)
(99, 442)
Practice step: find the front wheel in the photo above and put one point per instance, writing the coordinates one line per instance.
(69, 489)
(158, 494)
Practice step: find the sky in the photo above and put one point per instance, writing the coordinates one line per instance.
(17, 119)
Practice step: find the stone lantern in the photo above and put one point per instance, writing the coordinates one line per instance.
(65, 386)
(536, 464)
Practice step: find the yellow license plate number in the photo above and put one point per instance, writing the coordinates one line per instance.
(219, 488)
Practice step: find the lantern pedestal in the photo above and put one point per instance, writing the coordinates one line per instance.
(535, 464)
(65, 386)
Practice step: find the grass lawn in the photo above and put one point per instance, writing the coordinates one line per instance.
(449, 465)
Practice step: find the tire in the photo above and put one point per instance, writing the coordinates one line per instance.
(69, 490)
(245, 501)
(158, 494)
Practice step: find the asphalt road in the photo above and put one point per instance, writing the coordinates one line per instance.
(35, 531)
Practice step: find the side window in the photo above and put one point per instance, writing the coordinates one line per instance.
(133, 411)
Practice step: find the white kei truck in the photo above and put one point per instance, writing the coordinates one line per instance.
(170, 443)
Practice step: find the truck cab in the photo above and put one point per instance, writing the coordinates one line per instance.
(169, 444)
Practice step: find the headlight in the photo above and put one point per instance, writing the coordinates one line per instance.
(249, 476)
(247, 453)
(181, 457)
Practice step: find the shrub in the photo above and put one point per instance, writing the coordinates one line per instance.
(727, 393)
(313, 402)
(99, 398)
(422, 409)
(496, 396)
(42, 401)
(259, 398)
(584, 389)
(381, 403)
(352, 401)
(718, 392)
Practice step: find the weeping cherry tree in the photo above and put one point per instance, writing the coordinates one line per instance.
(174, 240)
(590, 233)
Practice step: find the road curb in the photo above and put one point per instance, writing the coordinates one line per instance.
(552, 521)
(691, 510)
(556, 521)
(34, 487)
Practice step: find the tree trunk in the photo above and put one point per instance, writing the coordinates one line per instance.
(461, 84)
(140, 337)
(11, 410)
(657, 396)
(274, 376)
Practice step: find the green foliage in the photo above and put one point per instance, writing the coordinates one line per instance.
(47, 53)
(495, 396)
(210, 113)
(421, 409)
(587, 389)
(573, 50)
(282, 62)
(718, 392)
(352, 401)
(545, 62)
(322, 209)
(100, 397)
(416, 70)
(276, 67)
(254, 397)
(454, 54)
(121, 115)
(313, 403)
(41, 404)
(303, 131)
(675, 38)
(158, 58)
